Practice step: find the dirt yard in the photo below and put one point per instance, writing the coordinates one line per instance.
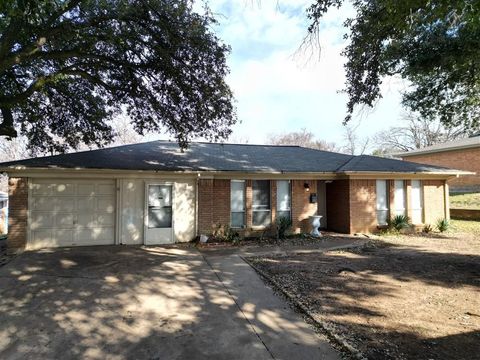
(402, 297)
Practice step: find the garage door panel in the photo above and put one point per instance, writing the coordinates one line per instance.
(96, 235)
(41, 189)
(86, 189)
(65, 204)
(105, 189)
(42, 236)
(43, 203)
(105, 204)
(40, 220)
(72, 212)
(105, 220)
(63, 189)
(65, 220)
(64, 237)
(86, 203)
(85, 220)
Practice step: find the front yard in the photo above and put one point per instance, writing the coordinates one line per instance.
(401, 297)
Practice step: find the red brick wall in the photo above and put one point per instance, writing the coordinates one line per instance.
(17, 213)
(221, 201)
(363, 204)
(301, 206)
(205, 202)
(213, 204)
(338, 205)
(464, 159)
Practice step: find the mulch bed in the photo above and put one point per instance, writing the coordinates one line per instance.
(407, 298)
(294, 241)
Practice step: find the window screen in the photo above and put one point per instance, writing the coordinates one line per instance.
(261, 203)
(382, 202)
(237, 203)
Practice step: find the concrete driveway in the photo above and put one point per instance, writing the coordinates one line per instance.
(143, 303)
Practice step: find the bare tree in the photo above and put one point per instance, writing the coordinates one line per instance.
(301, 138)
(124, 132)
(415, 134)
(354, 143)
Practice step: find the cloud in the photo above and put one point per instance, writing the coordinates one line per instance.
(276, 88)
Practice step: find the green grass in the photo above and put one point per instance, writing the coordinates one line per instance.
(465, 201)
(465, 226)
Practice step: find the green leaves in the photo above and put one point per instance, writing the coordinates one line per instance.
(66, 73)
(435, 45)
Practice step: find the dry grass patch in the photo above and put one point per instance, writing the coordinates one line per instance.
(400, 298)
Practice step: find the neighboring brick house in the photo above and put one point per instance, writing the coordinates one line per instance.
(154, 193)
(463, 154)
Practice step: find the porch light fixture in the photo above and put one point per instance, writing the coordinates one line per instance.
(306, 186)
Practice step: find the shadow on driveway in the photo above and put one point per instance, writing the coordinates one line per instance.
(123, 303)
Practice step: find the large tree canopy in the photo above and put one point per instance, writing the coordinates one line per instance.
(433, 44)
(68, 66)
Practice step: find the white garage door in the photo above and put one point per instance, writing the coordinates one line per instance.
(71, 213)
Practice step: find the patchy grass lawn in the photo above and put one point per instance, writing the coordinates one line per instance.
(404, 297)
(465, 201)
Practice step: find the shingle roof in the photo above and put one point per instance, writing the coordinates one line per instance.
(364, 163)
(166, 156)
(470, 142)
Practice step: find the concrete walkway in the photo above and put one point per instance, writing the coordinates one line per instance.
(283, 331)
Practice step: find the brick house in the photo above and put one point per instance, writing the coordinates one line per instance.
(463, 154)
(153, 193)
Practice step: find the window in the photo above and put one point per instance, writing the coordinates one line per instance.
(382, 202)
(237, 203)
(399, 200)
(283, 199)
(261, 203)
(417, 202)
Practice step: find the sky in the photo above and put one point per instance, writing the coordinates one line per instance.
(279, 89)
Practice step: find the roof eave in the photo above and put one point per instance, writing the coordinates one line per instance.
(432, 151)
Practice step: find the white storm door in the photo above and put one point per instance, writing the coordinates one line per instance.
(159, 214)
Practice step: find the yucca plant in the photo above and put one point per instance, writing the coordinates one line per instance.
(399, 222)
(443, 225)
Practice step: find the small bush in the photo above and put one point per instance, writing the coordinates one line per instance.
(443, 225)
(427, 229)
(399, 222)
(225, 233)
(283, 224)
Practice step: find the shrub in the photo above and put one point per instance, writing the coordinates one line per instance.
(443, 225)
(399, 222)
(427, 228)
(283, 224)
(225, 233)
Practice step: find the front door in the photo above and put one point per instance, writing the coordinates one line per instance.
(159, 214)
